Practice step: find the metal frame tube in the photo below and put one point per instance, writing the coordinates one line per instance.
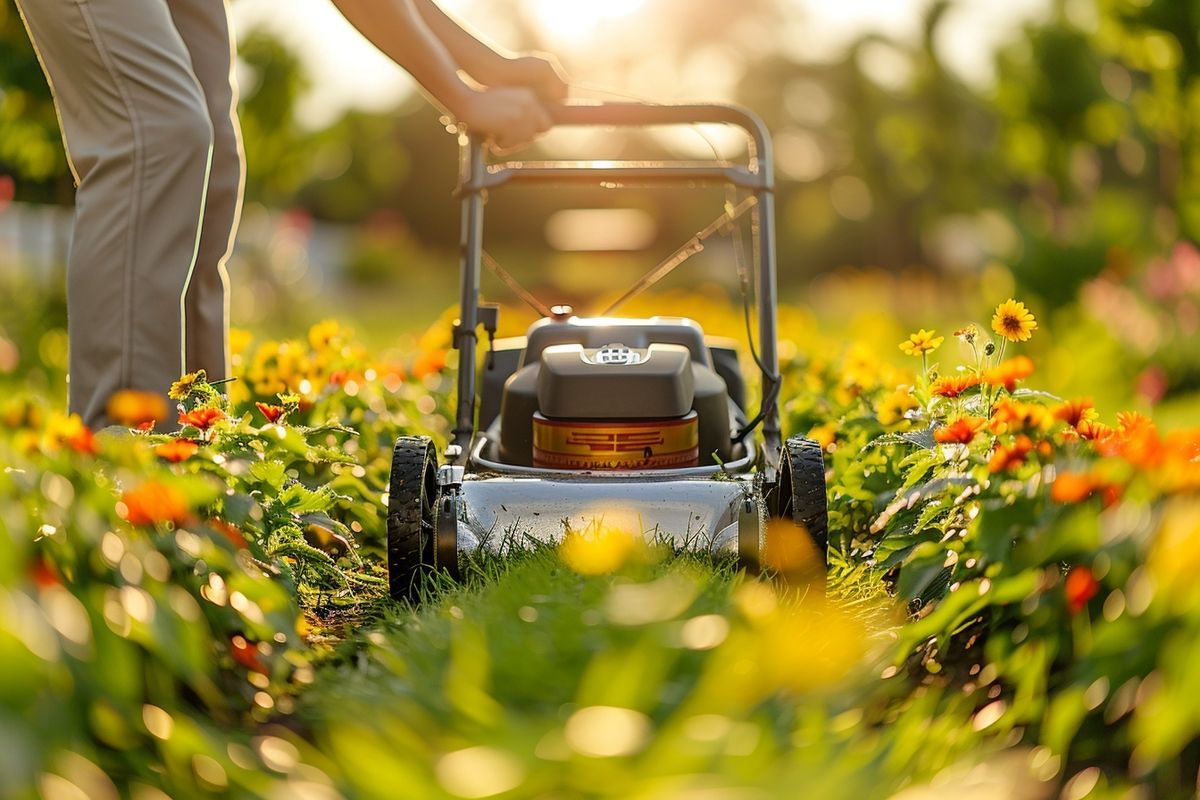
(473, 167)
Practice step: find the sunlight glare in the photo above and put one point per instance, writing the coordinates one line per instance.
(573, 20)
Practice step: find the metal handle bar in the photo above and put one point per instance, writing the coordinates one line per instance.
(756, 176)
(642, 114)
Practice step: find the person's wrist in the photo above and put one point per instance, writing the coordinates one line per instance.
(504, 71)
(460, 99)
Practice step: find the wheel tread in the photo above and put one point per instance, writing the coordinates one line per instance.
(806, 472)
(410, 536)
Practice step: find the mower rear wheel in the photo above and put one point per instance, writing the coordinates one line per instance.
(801, 490)
(412, 515)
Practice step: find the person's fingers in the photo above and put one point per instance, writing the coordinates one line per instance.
(540, 118)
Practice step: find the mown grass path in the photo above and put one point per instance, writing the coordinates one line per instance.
(669, 678)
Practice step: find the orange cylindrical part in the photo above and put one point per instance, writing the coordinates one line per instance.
(616, 444)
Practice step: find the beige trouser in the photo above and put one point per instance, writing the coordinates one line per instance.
(146, 99)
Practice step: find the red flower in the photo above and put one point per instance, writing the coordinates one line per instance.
(177, 450)
(960, 431)
(1006, 457)
(43, 574)
(1081, 586)
(1007, 373)
(153, 502)
(246, 654)
(230, 532)
(202, 418)
(953, 387)
(272, 413)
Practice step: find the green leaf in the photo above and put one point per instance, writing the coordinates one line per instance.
(270, 472)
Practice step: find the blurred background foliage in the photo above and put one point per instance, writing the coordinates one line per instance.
(1081, 155)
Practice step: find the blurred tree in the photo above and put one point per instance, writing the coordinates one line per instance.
(30, 146)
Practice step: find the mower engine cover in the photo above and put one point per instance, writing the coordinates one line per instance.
(614, 394)
(615, 382)
(615, 407)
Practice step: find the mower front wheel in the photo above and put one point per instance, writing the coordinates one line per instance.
(412, 515)
(801, 490)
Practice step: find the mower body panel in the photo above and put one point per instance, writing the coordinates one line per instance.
(699, 514)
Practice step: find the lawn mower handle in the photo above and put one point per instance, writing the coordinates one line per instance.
(477, 176)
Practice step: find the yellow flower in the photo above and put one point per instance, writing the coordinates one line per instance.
(603, 546)
(921, 342)
(323, 335)
(181, 388)
(824, 434)
(892, 407)
(1014, 321)
(239, 340)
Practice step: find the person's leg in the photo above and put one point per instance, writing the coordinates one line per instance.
(204, 27)
(139, 139)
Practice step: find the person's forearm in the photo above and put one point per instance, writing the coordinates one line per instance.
(480, 60)
(401, 33)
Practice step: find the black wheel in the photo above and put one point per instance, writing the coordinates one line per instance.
(412, 515)
(801, 491)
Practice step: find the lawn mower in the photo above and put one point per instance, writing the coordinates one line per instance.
(590, 416)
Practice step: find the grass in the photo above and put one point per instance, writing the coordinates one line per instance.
(674, 676)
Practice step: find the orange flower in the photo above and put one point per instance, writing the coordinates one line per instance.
(1130, 421)
(1094, 431)
(202, 418)
(428, 363)
(246, 654)
(272, 413)
(960, 431)
(1076, 412)
(954, 386)
(82, 441)
(1010, 416)
(1081, 586)
(1071, 487)
(1006, 457)
(177, 450)
(71, 432)
(153, 502)
(1140, 446)
(134, 408)
(1008, 372)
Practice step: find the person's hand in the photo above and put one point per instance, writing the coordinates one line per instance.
(540, 72)
(508, 116)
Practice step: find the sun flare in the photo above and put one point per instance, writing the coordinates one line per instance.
(574, 20)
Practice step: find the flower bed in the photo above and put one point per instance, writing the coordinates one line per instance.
(1011, 582)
